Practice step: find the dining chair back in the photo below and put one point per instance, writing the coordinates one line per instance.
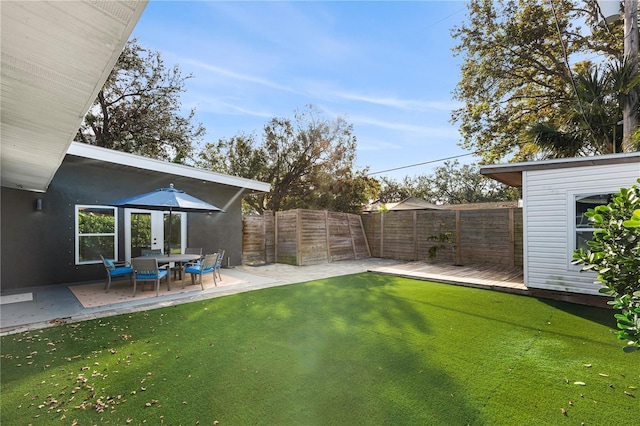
(113, 270)
(152, 252)
(219, 264)
(146, 269)
(180, 266)
(205, 266)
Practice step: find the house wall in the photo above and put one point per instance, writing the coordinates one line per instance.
(548, 223)
(38, 247)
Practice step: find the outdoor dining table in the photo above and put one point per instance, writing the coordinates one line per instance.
(171, 260)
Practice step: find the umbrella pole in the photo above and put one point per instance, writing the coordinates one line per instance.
(169, 243)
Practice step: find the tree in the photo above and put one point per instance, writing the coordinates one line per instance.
(137, 109)
(455, 184)
(239, 156)
(589, 125)
(521, 96)
(308, 160)
(394, 191)
(450, 183)
(614, 253)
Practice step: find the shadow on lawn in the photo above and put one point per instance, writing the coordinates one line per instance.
(338, 351)
(602, 316)
(347, 350)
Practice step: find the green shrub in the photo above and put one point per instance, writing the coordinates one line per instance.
(614, 253)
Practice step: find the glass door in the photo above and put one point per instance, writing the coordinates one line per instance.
(173, 233)
(146, 229)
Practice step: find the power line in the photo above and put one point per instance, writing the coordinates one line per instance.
(565, 55)
(421, 164)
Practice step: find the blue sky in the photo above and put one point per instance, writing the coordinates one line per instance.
(386, 66)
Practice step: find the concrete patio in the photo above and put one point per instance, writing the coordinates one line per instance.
(54, 305)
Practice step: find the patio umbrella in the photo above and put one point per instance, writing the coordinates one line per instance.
(171, 199)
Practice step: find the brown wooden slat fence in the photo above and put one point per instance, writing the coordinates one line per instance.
(307, 237)
(491, 236)
(303, 237)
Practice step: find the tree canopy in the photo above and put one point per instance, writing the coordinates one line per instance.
(450, 183)
(308, 160)
(539, 79)
(138, 109)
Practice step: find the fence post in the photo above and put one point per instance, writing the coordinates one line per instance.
(382, 235)
(353, 241)
(298, 238)
(327, 234)
(264, 236)
(512, 239)
(275, 236)
(415, 235)
(458, 239)
(364, 234)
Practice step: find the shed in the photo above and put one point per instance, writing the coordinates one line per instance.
(556, 194)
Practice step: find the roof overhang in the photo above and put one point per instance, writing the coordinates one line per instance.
(56, 55)
(113, 158)
(511, 174)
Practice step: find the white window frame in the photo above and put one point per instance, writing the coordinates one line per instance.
(572, 228)
(80, 207)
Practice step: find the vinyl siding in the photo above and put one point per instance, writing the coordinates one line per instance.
(548, 231)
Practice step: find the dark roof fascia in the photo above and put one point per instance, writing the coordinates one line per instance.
(511, 174)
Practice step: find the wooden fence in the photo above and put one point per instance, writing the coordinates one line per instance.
(491, 236)
(307, 237)
(303, 237)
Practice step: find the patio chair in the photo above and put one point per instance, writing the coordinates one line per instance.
(147, 270)
(205, 266)
(119, 269)
(219, 264)
(180, 267)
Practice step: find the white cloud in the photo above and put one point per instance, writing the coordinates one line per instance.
(404, 104)
(430, 131)
(228, 73)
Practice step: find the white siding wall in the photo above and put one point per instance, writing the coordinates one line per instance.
(548, 223)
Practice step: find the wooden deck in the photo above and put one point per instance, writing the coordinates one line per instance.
(489, 277)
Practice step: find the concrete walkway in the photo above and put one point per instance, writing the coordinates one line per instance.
(54, 305)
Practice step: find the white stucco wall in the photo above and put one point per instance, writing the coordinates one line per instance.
(549, 217)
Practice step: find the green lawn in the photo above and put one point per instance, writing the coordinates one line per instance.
(354, 350)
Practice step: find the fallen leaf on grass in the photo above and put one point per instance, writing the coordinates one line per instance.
(579, 383)
(149, 404)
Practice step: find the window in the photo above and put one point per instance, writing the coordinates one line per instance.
(96, 235)
(583, 226)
